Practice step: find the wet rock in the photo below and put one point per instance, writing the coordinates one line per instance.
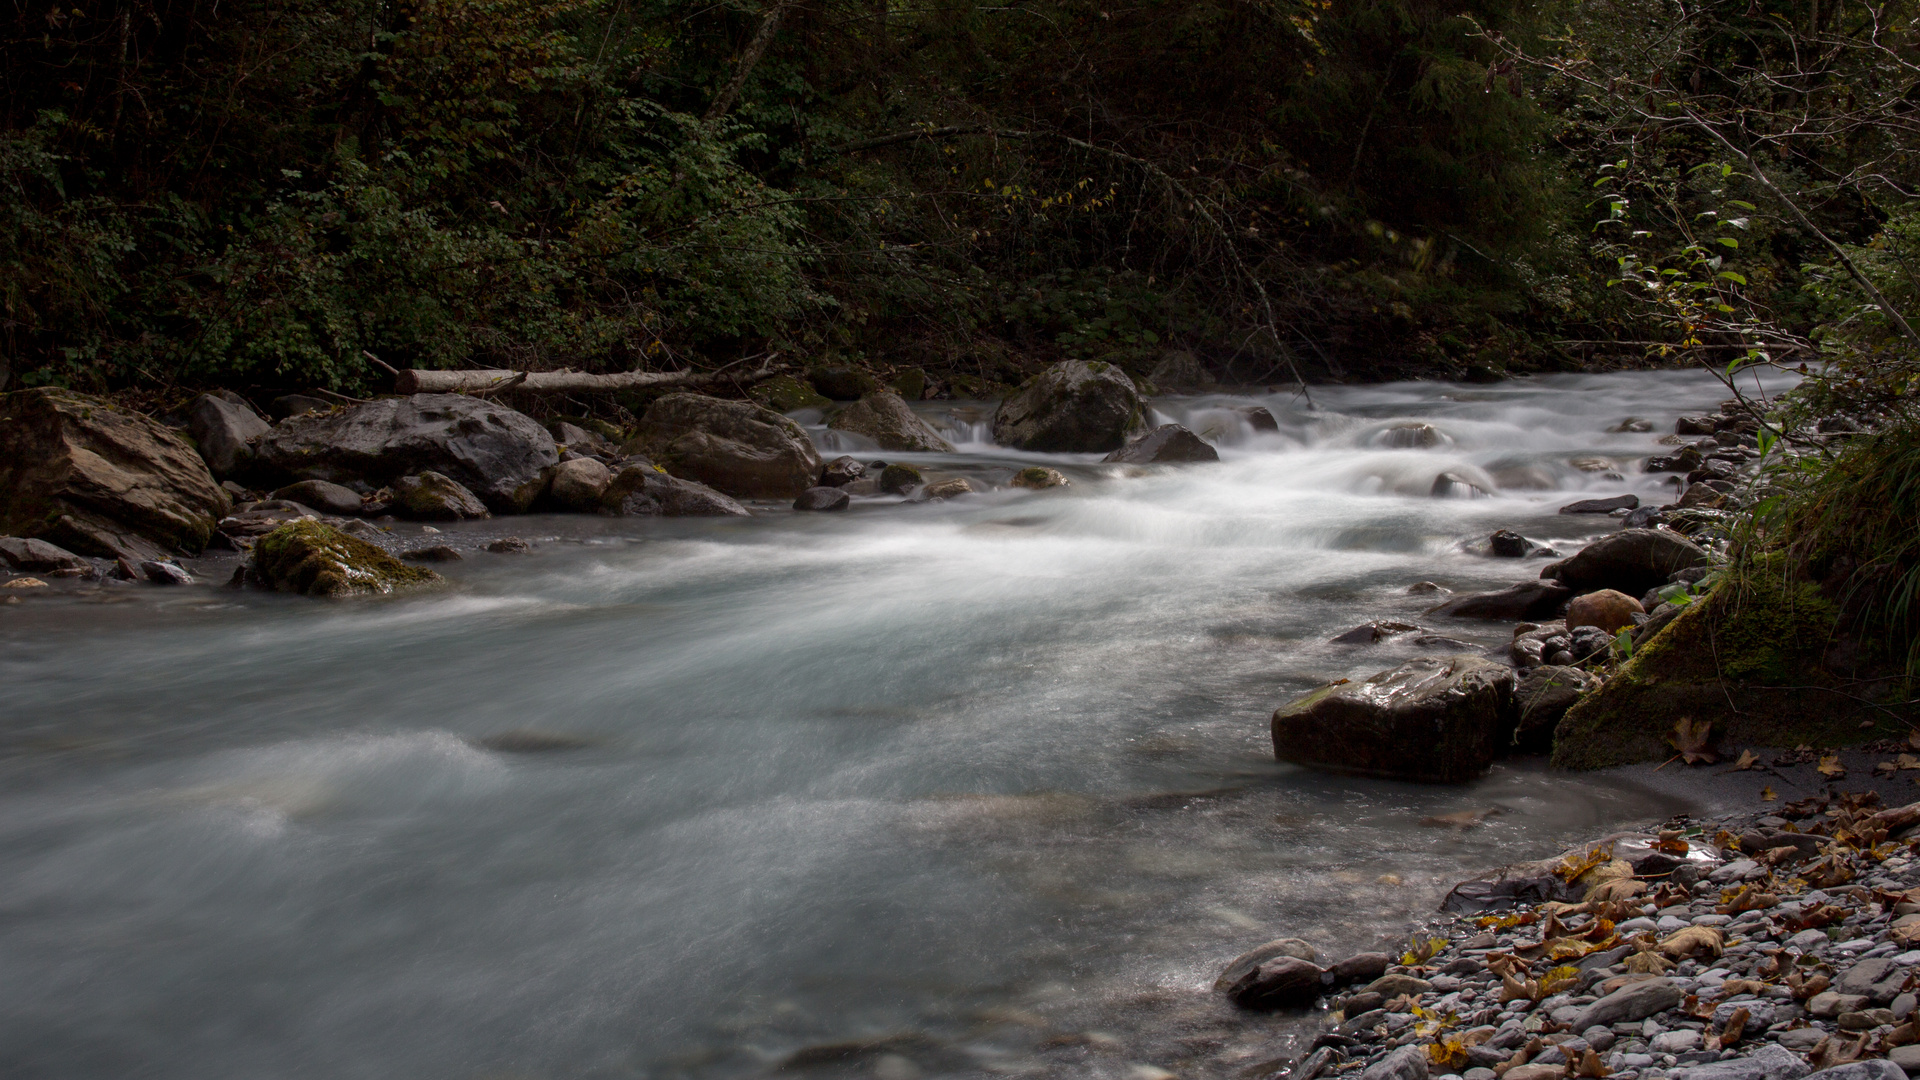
(1375, 632)
(39, 557)
(579, 484)
(165, 572)
(1409, 437)
(1394, 985)
(1039, 478)
(1631, 561)
(1072, 406)
(900, 479)
(949, 489)
(1634, 1001)
(840, 472)
(510, 545)
(1542, 695)
(1366, 967)
(431, 496)
(327, 498)
(81, 473)
(1178, 369)
(1631, 425)
(1695, 425)
(1606, 609)
(1527, 600)
(1259, 417)
(842, 383)
(823, 499)
(1279, 983)
(436, 553)
(886, 419)
(1450, 485)
(529, 741)
(1438, 719)
(1406, 1063)
(735, 447)
(1602, 506)
(1253, 958)
(314, 559)
(225, 431)
(1508, 544)
(1426, 588)
(24, 583)
(643, 490)
(1168, 443)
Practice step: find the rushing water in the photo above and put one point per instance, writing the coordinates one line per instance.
(989, 777)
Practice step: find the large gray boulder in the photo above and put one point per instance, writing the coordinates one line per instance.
(886, 419)
(1166, 444)
(642, 490)
(225, 431)
(1073, 406)
(496, 453)
(80, 472)
(1437, 719)
(735, 447)
(1631, 561)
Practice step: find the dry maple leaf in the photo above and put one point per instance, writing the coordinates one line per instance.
(1590, 1067)
(1767, 794)
(1748, 760)
(1830, 767)
(1694, 739)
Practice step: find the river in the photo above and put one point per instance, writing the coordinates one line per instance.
(986, 780)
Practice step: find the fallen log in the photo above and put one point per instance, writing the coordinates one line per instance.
(420, 381)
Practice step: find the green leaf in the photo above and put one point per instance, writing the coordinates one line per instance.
(1733, 277)
(1726, 241)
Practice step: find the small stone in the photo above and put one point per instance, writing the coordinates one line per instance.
(1410, 1063)
(1425, 588)
(328, 498)
(949, 489)
(1829, 1004)
(822, 499)
(24, 583)
(510, 545)
(1508, 544)
(1907, 1057)
(1871, 1069)
(1602, 506)
(436, 553)
(1675, 1042)
(1635, 1001)
(841, 471)
(1607, 609)
(1393, 985)
(435, 496)
(164, 572)
(1039, 477)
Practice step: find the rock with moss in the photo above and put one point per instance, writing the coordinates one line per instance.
(1039, 478)
(311, 558)
(886, 419)
(429, 496)
(1435, 719)
(1074, 406)
(642, 489)
(1761, 659)
(82, 473)
(842, 382)
(900, 479)
(735, 447)
(785, 394)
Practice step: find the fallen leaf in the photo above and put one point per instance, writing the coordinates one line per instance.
(1694, 739)
(1767, 794)
(1736, 1026)
(1590, 1066)
(1886, 768)
(1748, 760)
(1648, 963)
(1694, 939)
(1907, 761)
(1830, 767)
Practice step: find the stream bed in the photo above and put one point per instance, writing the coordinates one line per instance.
(980, 786)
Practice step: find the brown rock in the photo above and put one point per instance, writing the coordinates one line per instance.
(1608, 609)
(1280, 983)
(735, 447)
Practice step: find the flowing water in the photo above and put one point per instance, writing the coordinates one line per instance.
(985, 783)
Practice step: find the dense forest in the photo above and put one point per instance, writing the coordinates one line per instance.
(270, 194)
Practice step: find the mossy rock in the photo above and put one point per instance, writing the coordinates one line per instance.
(313, 559)
(911, 384)
(785, 394)
(1753, 661)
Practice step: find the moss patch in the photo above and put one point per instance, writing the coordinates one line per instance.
(1749, 659)
(313, 559)
(784, 394)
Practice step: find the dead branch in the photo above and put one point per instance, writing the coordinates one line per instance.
(418, 381)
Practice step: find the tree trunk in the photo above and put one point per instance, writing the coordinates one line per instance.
(418, 381)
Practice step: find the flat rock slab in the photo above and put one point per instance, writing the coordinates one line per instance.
(1437, 719)
(1635, 1001)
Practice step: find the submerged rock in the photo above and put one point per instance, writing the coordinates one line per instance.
(1508, 544)
(1039, 478)
(1072, 406)
(1253, 958)
(314, 559)
(1602, 506)
(1441, 719)
(949, 489)
(900, 479)
(1449, 485)
(734, 447)
(886, 419)
(1375, 632)
(841, 471)
(1164, 444)
(494, 452)
(79, 472)
(1527, 600)
(823, 498)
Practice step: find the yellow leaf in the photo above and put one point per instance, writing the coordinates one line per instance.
(1767, 794)
(1694, 739)
(1748, 760)
(1830, 767)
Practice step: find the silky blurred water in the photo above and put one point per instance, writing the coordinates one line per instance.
(991, 773)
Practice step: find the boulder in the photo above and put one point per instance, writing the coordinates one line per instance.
(1360, 968)
(39, 557)
(314, 559)
(429, 496)
(1631, 561)
(1607, 609)
(842, 383)
(1178, 369)
(1072, 406)
(225, 432)
(822, 498)
(643, 490)
(1374, 632)
(900, 479)
(325, 497)
(79, 472)
(1632, 424)
(1259, 417)
(1165, 444)
(1440, 719)
(1039, 478)
(1541, 696)
(841, 471)
(1450, 485)
(578, 484)
(1602, 506)
(1253, 958)
(735, 447)
(949, 489)
(496, 453)
(785, 394)
(1527, 600)
(886, 419)
(1409, 437)
(1280, 983)
(1508, 544)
